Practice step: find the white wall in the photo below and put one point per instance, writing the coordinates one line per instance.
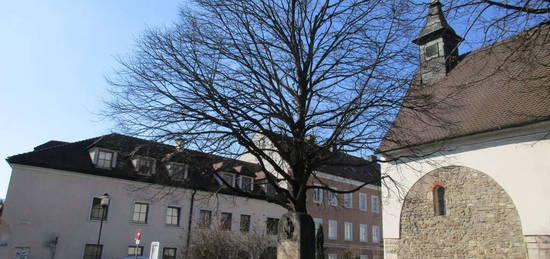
(517, 159)
(267, 146)
(44, 203)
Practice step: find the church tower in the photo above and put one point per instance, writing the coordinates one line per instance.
(438, 44)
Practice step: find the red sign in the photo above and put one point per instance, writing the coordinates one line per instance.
(137, 235)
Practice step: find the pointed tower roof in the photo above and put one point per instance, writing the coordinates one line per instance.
(436, 25)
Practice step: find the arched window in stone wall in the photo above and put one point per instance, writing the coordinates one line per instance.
(440, 205)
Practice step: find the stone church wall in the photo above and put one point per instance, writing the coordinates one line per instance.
(481, 220)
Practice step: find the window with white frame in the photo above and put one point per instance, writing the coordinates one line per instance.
(317, 195)
(363, 233)
(318, 222)
(333, 198)
(375, 234)
(375, 204)
(205, 217)
(105, 159)
(92, 251)
(135, 250)
(269, 189)
(246, 183)
(177, 171)
(245, 223)
(348, 200)
(22, 252)
(144, 165)
(169, 253)
(363, 201)
(98, 212)
(332, 229)
(348, 231)
(140, 212)
(332, 256)
(228, 178)
(225, 221)
(173, 216)
(272, 226)
(363, 257)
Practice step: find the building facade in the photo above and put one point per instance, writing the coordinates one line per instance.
(351, 221)
(53, 206)
(472, 173)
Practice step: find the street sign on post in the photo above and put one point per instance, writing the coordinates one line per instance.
(137, 236)
(154, 250)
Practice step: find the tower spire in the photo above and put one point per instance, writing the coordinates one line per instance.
(438, 44)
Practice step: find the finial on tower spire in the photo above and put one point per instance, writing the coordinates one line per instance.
(435, 23)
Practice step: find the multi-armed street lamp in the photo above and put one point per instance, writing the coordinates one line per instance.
(105, 199)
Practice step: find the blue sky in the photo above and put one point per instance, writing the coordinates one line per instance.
(54, 56)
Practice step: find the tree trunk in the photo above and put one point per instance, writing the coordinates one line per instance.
(296, 236)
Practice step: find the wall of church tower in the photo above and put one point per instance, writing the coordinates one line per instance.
(433, 67)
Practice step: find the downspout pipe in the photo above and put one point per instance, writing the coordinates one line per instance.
(191, 205)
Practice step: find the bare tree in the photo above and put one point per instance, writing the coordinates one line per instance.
(207, 244)
(315, 79)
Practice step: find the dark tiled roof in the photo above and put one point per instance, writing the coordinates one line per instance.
(339, 163)
(495, 87)
(49, 144)
(75, 157)
(352, 167)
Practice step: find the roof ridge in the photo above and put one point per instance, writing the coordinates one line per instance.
(173, 146)
(490, 96)
(49, 148)
(507, 40)
(116, 134)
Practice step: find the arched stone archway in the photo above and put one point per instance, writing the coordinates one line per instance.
(481, 220)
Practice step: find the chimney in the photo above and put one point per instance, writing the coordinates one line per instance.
(180, 144)
(310, 138)
(372, 158)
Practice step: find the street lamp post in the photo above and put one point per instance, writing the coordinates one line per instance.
(105, 199)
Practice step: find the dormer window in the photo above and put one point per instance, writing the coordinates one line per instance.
(228, 178)
(103, 158)
(177, 171)
(246, 183)
(144, 165)
(269, 189)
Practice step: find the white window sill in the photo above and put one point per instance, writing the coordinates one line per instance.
(98, 220)
(138, 223)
